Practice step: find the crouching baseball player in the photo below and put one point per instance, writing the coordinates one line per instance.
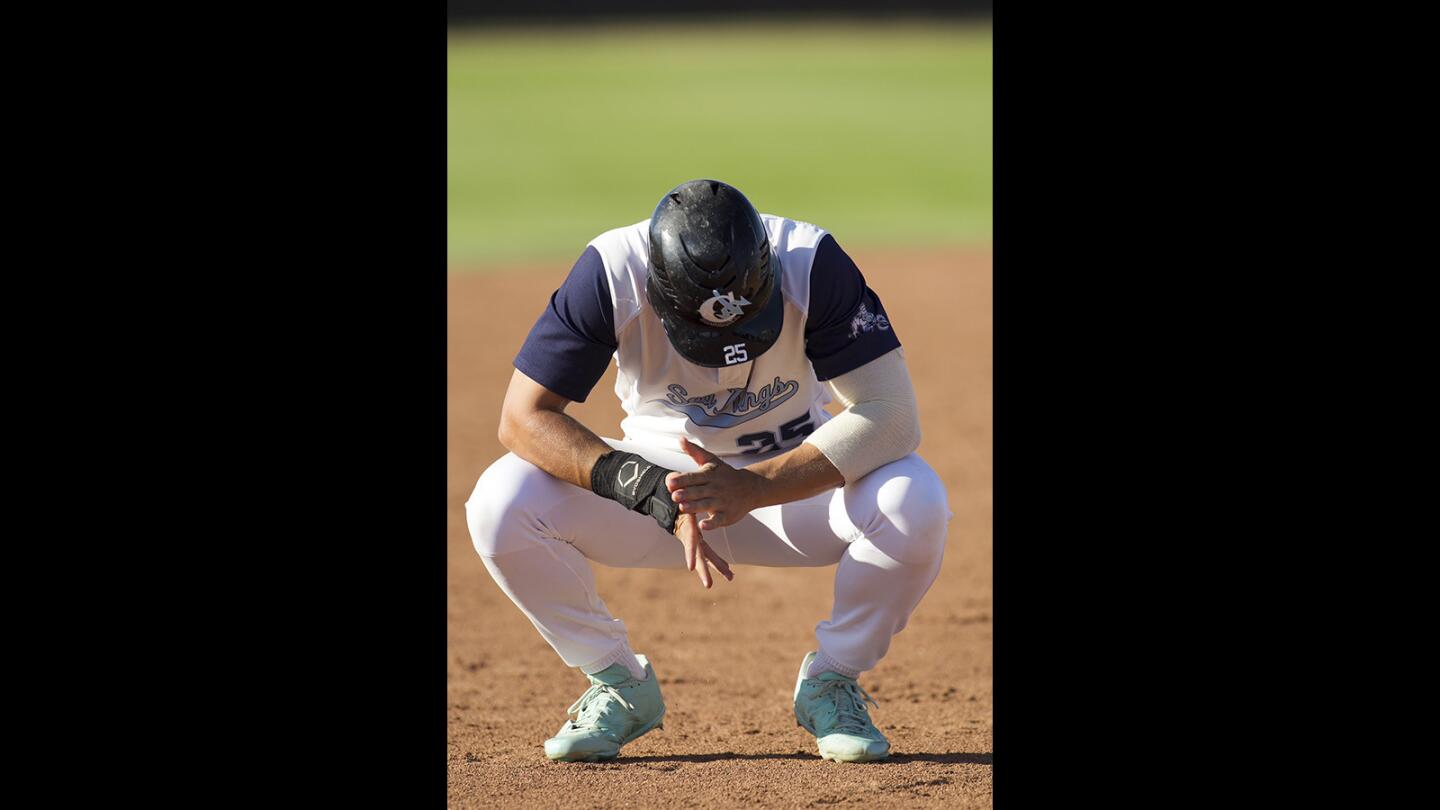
(724, 323)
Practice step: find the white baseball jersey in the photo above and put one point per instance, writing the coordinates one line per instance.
(757, 406)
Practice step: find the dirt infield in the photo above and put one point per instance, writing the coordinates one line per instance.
(730, 738)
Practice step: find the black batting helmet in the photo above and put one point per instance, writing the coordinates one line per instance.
(714, 281)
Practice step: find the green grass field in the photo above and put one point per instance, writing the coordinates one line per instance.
(879, 133)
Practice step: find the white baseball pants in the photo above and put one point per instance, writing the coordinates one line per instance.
(537, 535)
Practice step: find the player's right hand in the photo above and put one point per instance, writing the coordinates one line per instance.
(698, 554)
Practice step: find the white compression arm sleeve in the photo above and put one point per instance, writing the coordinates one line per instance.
(880, 423)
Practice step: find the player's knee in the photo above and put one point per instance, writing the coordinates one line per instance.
(499, 504)
(917, 511)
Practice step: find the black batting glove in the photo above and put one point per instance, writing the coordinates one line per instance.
(636, 484)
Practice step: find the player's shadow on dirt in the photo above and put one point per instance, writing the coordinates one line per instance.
(951, 758)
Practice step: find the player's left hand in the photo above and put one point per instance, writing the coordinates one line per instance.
(726, 493)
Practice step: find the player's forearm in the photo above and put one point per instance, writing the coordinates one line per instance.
(794, 475)
(555, 443)
(881, 420)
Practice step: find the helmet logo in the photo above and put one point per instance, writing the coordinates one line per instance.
(721, 309)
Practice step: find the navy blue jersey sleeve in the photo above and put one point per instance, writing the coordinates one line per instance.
(847, 326)
(570, 345)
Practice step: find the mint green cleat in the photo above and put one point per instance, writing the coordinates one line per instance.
(616, 709)
(832, 707)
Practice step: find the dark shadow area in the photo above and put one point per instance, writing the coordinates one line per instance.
(709, 757)
(950, 758)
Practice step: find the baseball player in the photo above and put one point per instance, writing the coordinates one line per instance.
(731, 330)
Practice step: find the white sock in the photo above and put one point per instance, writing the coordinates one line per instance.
(620, 655)
(824, 663)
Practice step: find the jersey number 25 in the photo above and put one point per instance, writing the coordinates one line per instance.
(766, 442)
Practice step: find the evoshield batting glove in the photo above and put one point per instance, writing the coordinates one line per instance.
(636, 484)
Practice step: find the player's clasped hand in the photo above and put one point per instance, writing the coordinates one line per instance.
(725, 493)
(717, 488)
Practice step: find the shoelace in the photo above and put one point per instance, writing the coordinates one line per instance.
(851, 716)
(590, 708)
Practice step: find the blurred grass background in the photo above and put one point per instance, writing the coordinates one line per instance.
(880, 133)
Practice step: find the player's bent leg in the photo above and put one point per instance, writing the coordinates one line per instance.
(893, 506)
(547, 578)
(537, 534)
(523, 523)
(897, 517)
(795, 534)
(902, 508)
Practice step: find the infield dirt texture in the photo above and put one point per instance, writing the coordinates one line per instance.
(726, 658)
